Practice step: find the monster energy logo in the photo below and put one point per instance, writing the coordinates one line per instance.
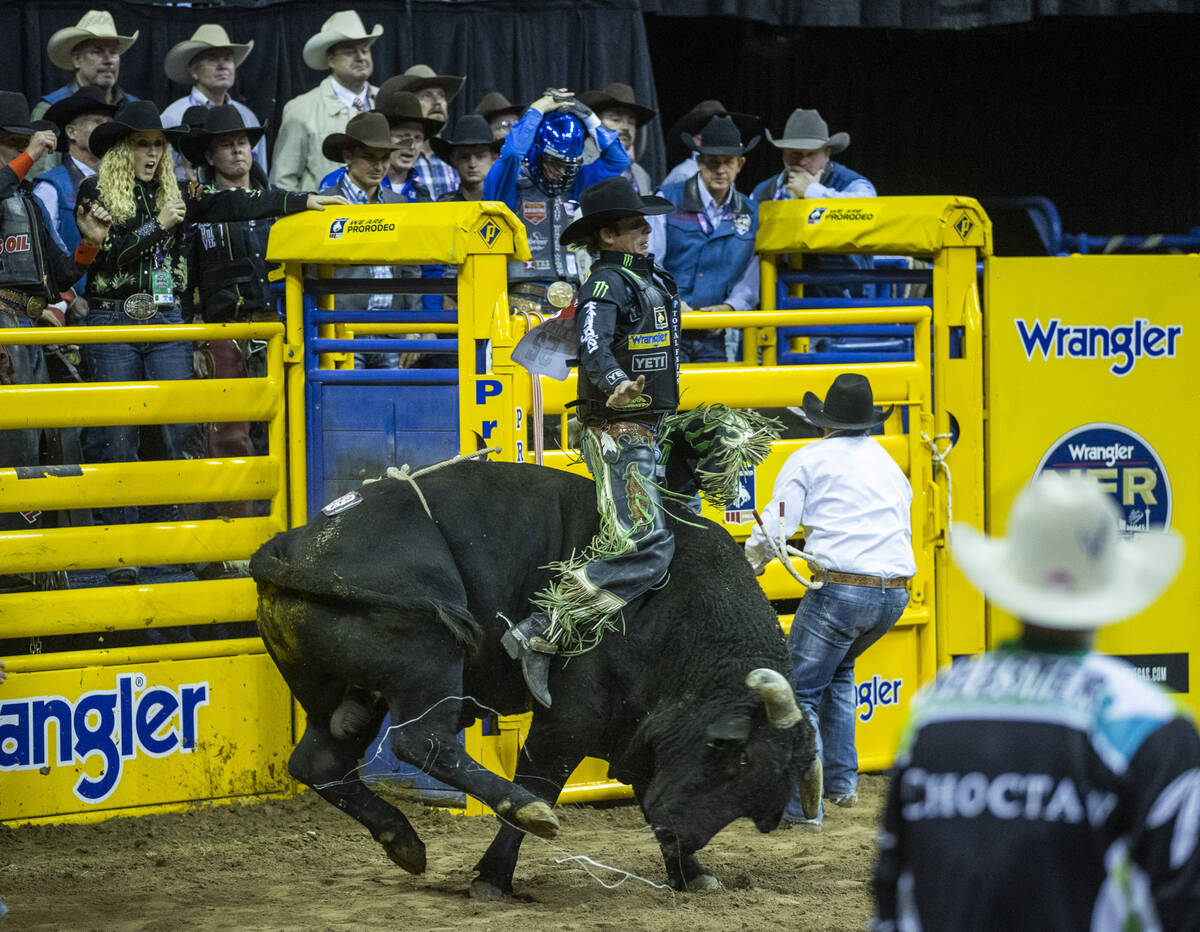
(627, 260)
(599, 289)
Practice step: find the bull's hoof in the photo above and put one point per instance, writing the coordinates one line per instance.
(537, 818)
(703, 883)
(410, 856)
(486, 892)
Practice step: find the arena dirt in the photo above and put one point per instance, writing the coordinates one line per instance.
(301, 864)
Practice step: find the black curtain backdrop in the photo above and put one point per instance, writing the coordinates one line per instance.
(517, 48)
(1099, 115)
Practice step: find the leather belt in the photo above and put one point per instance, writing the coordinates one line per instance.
(139, 307)
(871, 582)
(31, 304)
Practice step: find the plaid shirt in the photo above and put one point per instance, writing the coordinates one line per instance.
(436, 176)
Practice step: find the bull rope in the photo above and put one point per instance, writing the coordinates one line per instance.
(939, 461)
(405, 475)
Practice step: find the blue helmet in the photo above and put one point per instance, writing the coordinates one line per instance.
(560, 138)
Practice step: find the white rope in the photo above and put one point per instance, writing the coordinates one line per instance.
(939, 460)
(405, 475)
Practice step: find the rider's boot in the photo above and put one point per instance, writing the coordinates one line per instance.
(525, 641)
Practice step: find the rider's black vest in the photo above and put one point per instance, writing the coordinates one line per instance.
(22, 265)
(645, 335)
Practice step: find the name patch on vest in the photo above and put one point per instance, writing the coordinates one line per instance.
(658, 338)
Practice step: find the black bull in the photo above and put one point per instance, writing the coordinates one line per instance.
(382, 598)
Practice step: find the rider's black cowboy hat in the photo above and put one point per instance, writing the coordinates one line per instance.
(14, 114)
(849, 405)
(217, 121)
(138, 116)
(720, 137)
(90, 99)
(608, 201)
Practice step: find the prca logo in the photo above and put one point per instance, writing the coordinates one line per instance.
(815, 216)
(338, 227)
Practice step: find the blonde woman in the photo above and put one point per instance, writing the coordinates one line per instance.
(140, 271)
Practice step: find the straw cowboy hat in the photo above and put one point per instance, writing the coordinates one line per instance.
(397, 104)
(719, 137)
(209, 36)
(806, 130)
(139, 116)
(470, 130)
(365, 129)
(419, 77)
(224, 119)
(618, 95)
(1063, 564)
(849, 405)
(342, 26)
(95, 24)
(608, 201)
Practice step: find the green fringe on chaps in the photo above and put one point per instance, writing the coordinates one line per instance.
(580, 614)
(727, 441)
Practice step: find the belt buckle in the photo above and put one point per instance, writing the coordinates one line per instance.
(139, 306)
(34, 305)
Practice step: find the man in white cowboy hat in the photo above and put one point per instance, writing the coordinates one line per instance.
(92, 49)
(617, 107)
(854, 504)
(808, 172)
(343, 47)
(208, 63)
(707, 242)
(436, 92)
(1044, 785)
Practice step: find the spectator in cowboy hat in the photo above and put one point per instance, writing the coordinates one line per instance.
(808, 172)
(707, 242)
(343, 46)
(855, 505)
(141, 271)
(619, 110)
(91, 49)
(436, 92)
(366, 148)
(208, 63)
(75, 116)
(409, 128)
(690, 124)
(500, 113)
(1044, 784)
(471, 151)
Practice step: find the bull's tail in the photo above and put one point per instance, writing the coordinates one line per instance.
(462, 626)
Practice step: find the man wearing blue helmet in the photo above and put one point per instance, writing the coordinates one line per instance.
(539, 175)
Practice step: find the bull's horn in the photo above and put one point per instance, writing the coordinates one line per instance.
(777, 696)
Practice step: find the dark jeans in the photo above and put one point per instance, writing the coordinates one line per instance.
(133, 362)
(702, 346)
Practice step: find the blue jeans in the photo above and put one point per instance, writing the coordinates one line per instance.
(702, 346)
(133, 362)
(832, 627)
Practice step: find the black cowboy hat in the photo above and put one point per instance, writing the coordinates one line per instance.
(618, 95)
(90, 99)
(849, 405)
(720, 137)
(608, 201)
(139, 116)
(397, 104)
(495, 103)
(470, 130)
(215, 122)
(368, 129)
(14, 114)
(697, 118)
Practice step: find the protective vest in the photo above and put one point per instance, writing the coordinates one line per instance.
(545, 217)
(707, 262)
(637, 301)
(65, 178)
(22, 265)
